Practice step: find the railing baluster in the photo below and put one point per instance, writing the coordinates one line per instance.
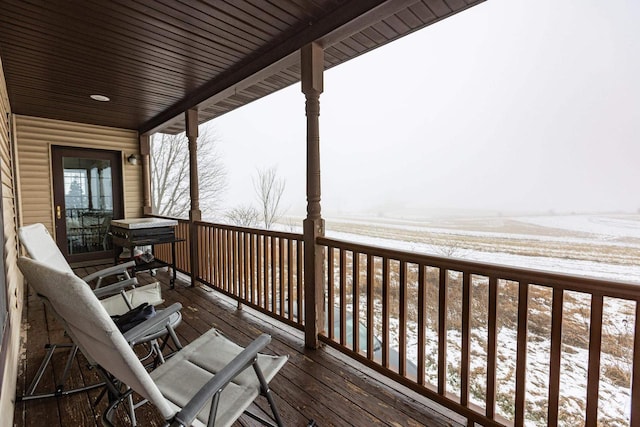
(225, 262)
(422, 322)
(385, 312)
(239, 263)
(343, 297)
(466, 339)
(281, 269)
(492, 347)
(215, 278)
(521, 358)
(330, 292)
(635, 378)
(216, 256)
(206, 253)
(225, 259)
(442, 331)
(227, 280)
(247, 271)
(200, 254)
(219, 257)
(290, 278)
(593, 372)
(299, 285)
(234, 262)
(402, 363)
(252, 270)
(229, 249)
(208, 250)
(355, 271)
(242, 273)
(370, 272)
(258, 269)
(555, 356)
(274, 285)
(237, 241)
(197, 251)
(265, 242)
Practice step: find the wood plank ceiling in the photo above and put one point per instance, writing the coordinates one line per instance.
(156, 58)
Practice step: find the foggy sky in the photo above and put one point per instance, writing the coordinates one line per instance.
(512, 105)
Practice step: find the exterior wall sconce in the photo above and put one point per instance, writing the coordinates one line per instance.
(132, 159)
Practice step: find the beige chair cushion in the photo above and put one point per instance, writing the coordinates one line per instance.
(189, 369)
(40, 245)
(150, 293)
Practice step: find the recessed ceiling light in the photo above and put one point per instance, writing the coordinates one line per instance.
(100, 98)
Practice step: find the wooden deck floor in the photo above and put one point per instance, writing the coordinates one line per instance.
(320, 385)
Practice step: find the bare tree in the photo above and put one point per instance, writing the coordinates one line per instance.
(447, 247)
(170, 175)
(269, 189)
(243, 216)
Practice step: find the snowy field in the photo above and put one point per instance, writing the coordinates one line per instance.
(610, 243)
(599, 246)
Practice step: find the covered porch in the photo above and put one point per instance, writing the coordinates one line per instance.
(343, 311)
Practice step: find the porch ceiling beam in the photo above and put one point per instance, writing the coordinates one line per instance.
(333, 21)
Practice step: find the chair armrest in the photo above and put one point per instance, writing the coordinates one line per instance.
(137, 333)
(110, 271)
(115, 288)
(243, 360)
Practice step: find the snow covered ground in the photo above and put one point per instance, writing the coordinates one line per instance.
(606, 227)
(607, 232)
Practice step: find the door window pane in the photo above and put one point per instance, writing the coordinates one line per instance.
(88, 204)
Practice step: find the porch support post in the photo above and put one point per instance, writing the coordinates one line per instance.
(145, 153)
(191, 120)
(312, 58)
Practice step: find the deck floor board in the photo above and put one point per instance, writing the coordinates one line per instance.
(319, 385)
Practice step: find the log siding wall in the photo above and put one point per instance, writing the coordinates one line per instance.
(13, 278)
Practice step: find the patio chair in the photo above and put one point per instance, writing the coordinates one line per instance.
(40, 246)
(208, 382)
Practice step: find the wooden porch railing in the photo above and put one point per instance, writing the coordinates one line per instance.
(183, 257)
(260, 268)
(466, 311)
(443, 327)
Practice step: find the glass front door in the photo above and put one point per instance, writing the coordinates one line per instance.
(87, 197)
